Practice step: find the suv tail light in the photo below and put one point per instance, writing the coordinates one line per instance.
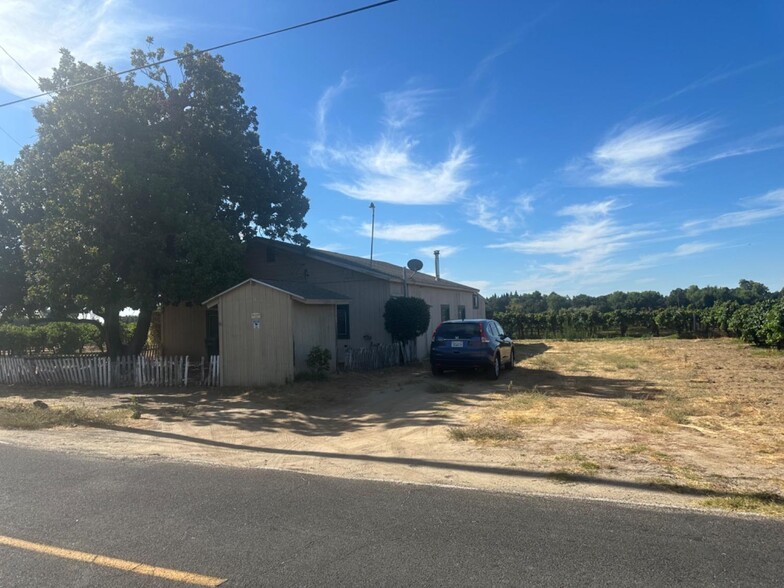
(433, 338)
(482, 335)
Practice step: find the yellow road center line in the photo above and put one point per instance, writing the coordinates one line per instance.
(111, 562)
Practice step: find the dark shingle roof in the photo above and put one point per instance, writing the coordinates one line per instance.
(378, 268)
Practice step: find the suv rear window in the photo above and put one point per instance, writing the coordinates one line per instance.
(458, 331)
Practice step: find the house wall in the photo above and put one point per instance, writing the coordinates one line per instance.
(254, 357)
(313, 325)
(367, 294)
(435, 297)
(183, 330)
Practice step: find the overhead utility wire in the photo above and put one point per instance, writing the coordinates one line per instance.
(200, 51)
(9, 135)
(29, 75)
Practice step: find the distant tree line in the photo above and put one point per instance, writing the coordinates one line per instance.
(751, 312)
(58, 337)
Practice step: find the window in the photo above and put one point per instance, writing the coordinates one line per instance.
(270, 254)
(444, 312)
(500, 329)
(461, 312)
(476, 301)
(343, 328)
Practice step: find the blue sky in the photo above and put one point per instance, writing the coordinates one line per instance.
(573, 146)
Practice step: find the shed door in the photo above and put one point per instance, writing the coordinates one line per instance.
(212, 339)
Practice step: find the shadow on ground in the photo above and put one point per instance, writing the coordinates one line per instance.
(392, 398)
(774, 499)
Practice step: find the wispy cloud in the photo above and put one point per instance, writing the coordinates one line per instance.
(405, 106)
(407, 232)
(485, 212)
(767, 140)
(388, 172)
(719, 76)
(760, 209)
(488, 60)
(390, 168)
(585, 246)
(641, 155)
(33, 31)
(497, 216)
(485, 64)
(319, 146)
(444, 250)
(648, 153)
(592, 232)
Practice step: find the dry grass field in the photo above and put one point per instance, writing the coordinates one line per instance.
(686, 422)
(685, 414)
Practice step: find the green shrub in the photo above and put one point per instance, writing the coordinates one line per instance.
(406, 318)
(319, 360)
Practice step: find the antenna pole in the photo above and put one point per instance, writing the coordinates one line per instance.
(372, 230)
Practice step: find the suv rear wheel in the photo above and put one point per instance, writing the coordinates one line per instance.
(495, 369)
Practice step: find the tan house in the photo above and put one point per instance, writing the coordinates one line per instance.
(305, 297)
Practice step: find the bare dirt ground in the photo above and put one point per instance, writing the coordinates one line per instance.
(657, 421)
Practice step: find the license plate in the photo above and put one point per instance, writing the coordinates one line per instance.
(457, 343)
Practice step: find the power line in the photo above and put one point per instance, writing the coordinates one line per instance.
(200, 51)
(29, 75)
(7, 134)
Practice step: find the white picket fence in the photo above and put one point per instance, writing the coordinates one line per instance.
(106, 372)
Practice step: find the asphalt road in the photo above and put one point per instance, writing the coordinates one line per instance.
(268, 528)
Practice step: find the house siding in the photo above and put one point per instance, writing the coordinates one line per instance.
(435, 297)
(254, 357)
(314, 325)
(183, 330)
(367, 294)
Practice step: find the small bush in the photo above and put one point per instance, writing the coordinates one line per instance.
(319, 360)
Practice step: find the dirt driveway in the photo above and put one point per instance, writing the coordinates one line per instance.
(679, 423)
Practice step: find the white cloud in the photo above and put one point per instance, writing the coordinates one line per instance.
(646, 154)
(642, 155)
(766, 207)
(389, 168)
(410, 232)
(404, 106)
(445, 250)
(491, 214)
(772, 138)
(693, 248)
(387, 172)
(33, 31)
(319, 146)
(585, 246)
(486, 212)
(592, 234)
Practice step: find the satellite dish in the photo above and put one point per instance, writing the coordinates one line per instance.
(414, 265)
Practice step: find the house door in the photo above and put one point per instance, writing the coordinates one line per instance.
(212, 339)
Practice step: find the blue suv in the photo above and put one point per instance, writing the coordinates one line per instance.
(468, 344)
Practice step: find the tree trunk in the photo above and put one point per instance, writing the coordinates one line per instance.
(111, 332)
(139, 338)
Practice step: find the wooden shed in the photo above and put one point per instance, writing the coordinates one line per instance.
(267, 328)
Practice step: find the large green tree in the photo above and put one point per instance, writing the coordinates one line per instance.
(12, 280)
(138, 194)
